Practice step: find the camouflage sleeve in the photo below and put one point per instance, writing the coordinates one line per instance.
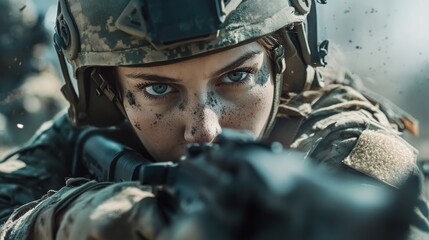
(41, 165)
(86, 209)
(346, 132)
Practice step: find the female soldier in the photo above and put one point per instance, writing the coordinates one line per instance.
(180, 77)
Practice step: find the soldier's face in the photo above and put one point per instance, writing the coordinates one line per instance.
(173, 105)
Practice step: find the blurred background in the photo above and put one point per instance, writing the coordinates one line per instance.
(29, 79)
(385, 42)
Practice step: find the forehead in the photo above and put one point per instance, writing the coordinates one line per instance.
(215, 60)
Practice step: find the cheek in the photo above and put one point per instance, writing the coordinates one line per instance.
(252, 111)
(156, 128)
(149, 123)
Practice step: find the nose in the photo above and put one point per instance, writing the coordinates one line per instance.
(202, 126)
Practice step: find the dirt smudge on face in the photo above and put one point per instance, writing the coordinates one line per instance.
(200, 110)
(223, 113)
(153, 124)
(263, 75)
(159, 116)
(182, 105)
(137, 125)
(131, 98)
(211, 99)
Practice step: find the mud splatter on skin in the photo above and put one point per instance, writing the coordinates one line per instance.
(182, 105)
(137, 125)
(153, 124)
(199, 114)
(199, 110)
(159, 116)
(239, 117)
(223, 113)
(263, 75)
(70, 220)
(131, 98)
(211, 99)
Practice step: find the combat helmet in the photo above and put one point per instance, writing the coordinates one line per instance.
(92, 34)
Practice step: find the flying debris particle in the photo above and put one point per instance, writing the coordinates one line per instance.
(373, 10)
(346, 11)
(22, 8)
(350, 41)
(20, 125)
(358, 47)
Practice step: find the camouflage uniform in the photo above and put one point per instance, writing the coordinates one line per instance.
(341, 129)
(336, 125)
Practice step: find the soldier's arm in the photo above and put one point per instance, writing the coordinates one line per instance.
(346, 132)
(86, 209)
(39, 166)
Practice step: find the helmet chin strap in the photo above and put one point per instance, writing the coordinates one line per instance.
(279, 67)
(302, 75)
(67, 89)
(103, 87)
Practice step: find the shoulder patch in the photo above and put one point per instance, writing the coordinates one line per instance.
(384, 156)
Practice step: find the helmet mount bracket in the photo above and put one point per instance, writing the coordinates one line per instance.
(306, 52)
(160, 24)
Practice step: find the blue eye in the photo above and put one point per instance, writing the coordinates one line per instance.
(158, 89)
(237, 76)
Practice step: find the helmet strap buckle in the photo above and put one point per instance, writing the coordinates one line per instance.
(103, 87)
(279, 59)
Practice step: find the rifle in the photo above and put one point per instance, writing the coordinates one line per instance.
(253, 190)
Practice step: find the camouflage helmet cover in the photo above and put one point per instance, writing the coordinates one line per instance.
(90, 33)
(98, 39)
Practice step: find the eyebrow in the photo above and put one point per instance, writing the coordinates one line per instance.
(236, 63)
(231, 66)
(150, 77)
